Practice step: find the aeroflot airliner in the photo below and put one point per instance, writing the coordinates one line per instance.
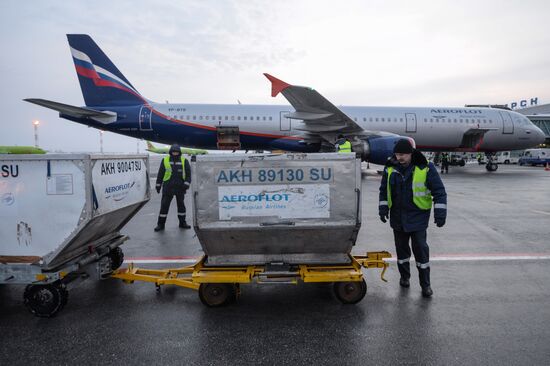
(310, 124)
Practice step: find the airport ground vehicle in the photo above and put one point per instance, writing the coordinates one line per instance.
(509, 157)
(269, 218)
(61, 216)
(535, 157)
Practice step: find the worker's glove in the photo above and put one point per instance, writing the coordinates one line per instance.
(383, 212)
(158, 188)
(384, 217)
(440, 221)
(186, 186)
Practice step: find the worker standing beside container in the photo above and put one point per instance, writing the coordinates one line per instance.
(174, 177)
(408, 186)
(343, 145)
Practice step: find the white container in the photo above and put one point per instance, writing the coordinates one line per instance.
(60, 210)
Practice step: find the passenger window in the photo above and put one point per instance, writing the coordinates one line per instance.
(370, 119)
(232, 118)
(270, 118)
(207, 118)
(238, 118)
(425, 120)
(383, 120)
(257, 118)
(264, 118)
(376, 119)
(364, 119)
(244, 118)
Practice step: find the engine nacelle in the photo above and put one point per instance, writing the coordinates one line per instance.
(377, 150)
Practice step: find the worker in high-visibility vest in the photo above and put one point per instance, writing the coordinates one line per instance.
(410, 184)
(174, 177)
(343, 145)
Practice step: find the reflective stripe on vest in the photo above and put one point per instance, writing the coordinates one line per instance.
(345, 147)
(168, 168)
(422, 197)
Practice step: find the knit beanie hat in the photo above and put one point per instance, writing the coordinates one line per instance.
(403, 146)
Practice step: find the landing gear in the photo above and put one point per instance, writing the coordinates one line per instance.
(45, 300)
(491, 166)
(350, 292)
(217, 294)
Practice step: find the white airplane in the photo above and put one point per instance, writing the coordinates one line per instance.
(310, 124)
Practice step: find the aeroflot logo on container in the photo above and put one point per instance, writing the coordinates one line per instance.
(261, 197)
(118, 192)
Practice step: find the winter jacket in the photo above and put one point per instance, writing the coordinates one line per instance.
(404, 214)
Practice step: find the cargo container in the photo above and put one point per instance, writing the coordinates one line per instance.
(287, 208)
(60, 219)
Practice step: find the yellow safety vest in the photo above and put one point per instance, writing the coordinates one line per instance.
(345, 147)
(422, 196)
(168, 168)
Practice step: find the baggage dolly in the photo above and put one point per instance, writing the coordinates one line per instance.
(218, 286)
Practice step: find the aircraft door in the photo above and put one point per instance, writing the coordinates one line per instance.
(507, 124)
(285, 122)
(145, 119)
(411, 122)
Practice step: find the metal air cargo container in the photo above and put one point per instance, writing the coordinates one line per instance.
(288, 208)
(61, 214)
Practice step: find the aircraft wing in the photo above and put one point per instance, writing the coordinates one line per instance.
(77, 112)
(319, 116)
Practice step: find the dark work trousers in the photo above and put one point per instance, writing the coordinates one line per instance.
(445, 167)
(421, 253)
(165, 206)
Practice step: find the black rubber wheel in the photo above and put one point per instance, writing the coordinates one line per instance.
(45, 300)
(491, 167)
(216, 294)
(350, 292)
(462, 162)
(117, 258)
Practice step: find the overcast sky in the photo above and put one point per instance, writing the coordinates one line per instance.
(415, 53)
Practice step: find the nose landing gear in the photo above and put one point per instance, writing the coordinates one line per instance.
(491, 166)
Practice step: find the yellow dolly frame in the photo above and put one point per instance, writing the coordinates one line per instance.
(218, 286)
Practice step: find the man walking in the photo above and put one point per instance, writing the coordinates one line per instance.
(409, 185)
(174, 177)
(445, 161)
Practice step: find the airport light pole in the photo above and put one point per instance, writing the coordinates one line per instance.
(101, 141)
(35, 123)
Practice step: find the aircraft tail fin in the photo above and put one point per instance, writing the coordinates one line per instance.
(101, 82)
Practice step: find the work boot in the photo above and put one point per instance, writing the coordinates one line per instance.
(160, 223)
(427, 291)
(183, 223)
(404, 282)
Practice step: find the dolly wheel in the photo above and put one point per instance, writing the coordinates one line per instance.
(350, 292)
(216, 294)
(117, 258)
(45, 300)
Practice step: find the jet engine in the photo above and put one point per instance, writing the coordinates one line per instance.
(377, 150)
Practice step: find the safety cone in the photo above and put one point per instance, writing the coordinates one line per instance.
(547, 167)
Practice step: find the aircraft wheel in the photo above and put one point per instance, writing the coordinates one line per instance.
(462, 162)
(45, 300)
(491, 167)
(350, 292)
(506, 161)
(216, 294)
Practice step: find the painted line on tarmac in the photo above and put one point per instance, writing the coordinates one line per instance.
(541, 212)
(438, 258)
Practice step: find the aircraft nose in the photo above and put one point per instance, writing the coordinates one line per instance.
(540, 137)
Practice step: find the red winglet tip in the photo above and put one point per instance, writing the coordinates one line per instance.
(277, 85)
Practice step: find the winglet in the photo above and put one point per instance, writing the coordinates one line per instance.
(277, 85)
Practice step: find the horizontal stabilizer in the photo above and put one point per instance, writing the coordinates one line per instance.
(77, 112)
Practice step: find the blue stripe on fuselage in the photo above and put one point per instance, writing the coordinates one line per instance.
(169, 132)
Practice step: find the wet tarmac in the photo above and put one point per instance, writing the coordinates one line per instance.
(489, 274)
